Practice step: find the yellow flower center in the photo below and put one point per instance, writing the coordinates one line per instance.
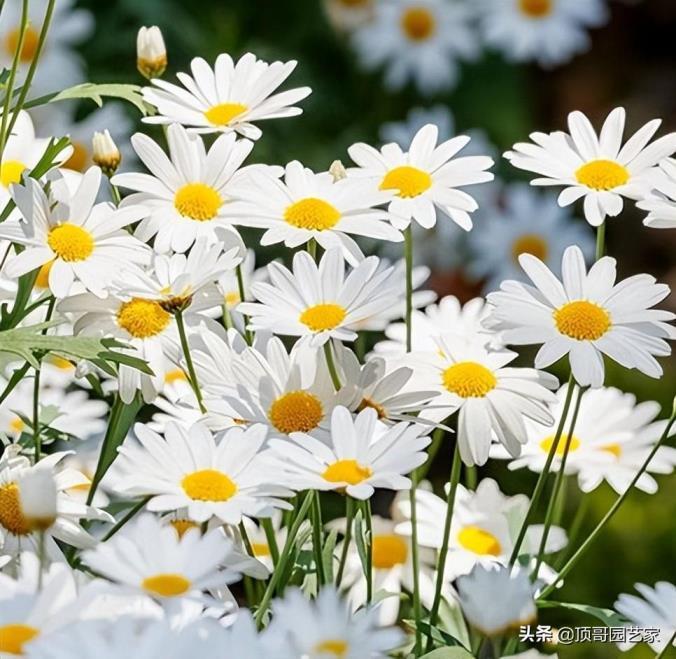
(469, 380)
(42, 280)
(17, 425)
(388, 550)
(479, 541)
(232, 298)
(79, 158)
(10, 172)
(260, 549)
(615, 449)
(29, 46)
(368, 403)
(142, 318)
(223, 113)
(582, 320)
(60, 363)
(11, 515)
(175, 375)
(182, 526)
(197, 201)
(418, 23)
(208, 485)
(296, 411)
(536, 8)
(14, 637)
(547, 443)
(71, 242)
(166, 585)
(323, 317)
(346, 471)
(602, 174)
(407, 181)
(335, 647)
(530, 243)
(312, 214)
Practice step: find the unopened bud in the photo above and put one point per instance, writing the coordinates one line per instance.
(37, 499)
(105, 153)
(337, 170)
(151, 54)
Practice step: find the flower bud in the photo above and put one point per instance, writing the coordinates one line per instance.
(337, 170)
(37, 499)
(151, 54)
(105, 153)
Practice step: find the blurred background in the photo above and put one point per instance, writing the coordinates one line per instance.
(630, 63)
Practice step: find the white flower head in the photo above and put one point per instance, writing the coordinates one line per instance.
(37, 494)
(584, 316)
(661, 203)
(105, 152)
(229, 97)
(596, 166)
(151, 53)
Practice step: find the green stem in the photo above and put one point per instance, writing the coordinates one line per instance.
(551, 506)
(133, 511)
(570, 564)
(115, 194)
(454, 479)
(542, 478)
(328, 353)
(471, 477)
(242, 297)
(227, 319)
(188, 360)
(317, 527)
(663, 651)
(283, 559)
(37, 441)
(270, 536)
(600, 240)
(349, 520)
(575, 527)
(369, 551)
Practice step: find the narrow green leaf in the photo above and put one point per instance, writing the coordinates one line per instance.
(448, 653)
(606, 616)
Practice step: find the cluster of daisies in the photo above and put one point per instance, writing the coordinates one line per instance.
(426, 41)
(223, 497)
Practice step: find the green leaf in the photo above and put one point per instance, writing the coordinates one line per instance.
(26, 341)
(606, 616)
(438, 635)
(94, 92)
(448, 653)
(327, 554)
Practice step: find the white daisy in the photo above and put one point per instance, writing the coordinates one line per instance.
(613, 436)
(223, 477)
(529, 222)
(437, 319)
(655, 609)
(309, 206)
(425, 178)
(149, 557)
(492, 398)
(661, 203)
(319, 302)
(549, 32)
(186, 192)
(362, 454)
(82, 241)
(418, 40)
(585, 316)
(496, 599)
(325, 627)
(232, 96)
(15, 533)
(596, 167)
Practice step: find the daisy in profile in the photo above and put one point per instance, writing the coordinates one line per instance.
(349, 14)
(326, 627)
(75, 239)
(149, 557)
(186, 190)
(492, 398)
(189, 469)
(497, 600)
(661, 203)
(309, 206)
(231, 96)
(585, 316)
(596, 167)
(484, 528)
(362, 454)
(656, 608)
(16, 533)
(612, 438)
(425, 178)
(417, 40)
(529, 222)
(319, 302)
(548, 32)
(428, 325)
